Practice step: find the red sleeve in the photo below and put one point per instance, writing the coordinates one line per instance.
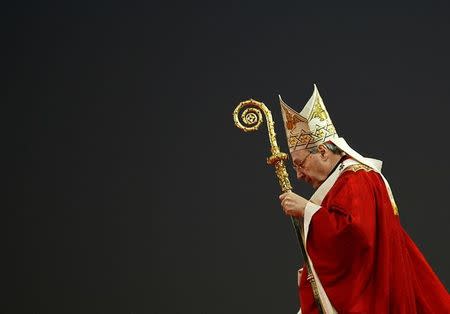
(341, 237)
(345, 225)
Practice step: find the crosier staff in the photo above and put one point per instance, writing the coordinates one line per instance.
(252, 119)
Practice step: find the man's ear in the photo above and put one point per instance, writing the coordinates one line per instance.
(323, 151)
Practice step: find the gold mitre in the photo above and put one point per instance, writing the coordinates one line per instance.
(309, 128)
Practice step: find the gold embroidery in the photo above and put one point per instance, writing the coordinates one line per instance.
(393, 203)
(357, 167)
(331, 129)
(292, 119)
(318, 111)
(305, 138)
(394, 206)
(292, 141)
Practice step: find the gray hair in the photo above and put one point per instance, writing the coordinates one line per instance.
(331, 146)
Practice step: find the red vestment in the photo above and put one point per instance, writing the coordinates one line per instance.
(365, 260)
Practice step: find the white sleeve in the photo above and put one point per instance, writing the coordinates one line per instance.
(310, 210)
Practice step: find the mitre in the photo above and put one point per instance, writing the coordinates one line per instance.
(309, 128)
(313, 126)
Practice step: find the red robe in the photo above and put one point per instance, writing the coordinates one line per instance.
(365, 260)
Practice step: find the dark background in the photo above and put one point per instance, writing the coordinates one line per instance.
(129, 189)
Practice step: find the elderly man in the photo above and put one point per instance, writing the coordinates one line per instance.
(361, 258)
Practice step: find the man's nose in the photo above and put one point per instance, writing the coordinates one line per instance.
(300, 174)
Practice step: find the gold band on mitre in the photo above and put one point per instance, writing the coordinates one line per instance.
(309, 128)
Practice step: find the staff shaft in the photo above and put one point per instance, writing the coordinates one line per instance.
(252, 118)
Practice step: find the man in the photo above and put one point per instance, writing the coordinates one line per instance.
(362, 259)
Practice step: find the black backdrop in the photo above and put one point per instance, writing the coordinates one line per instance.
(129, 190)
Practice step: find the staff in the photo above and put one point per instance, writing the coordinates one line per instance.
(252, 118)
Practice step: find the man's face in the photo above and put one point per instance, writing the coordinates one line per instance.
(310, 167)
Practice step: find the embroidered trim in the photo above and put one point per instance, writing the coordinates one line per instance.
(358, 167)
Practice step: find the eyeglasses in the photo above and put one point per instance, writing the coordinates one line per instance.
(300, 164)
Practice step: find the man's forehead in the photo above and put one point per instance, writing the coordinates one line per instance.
(299, 154)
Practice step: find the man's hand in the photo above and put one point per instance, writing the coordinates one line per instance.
(293, 204)
(299, 276)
